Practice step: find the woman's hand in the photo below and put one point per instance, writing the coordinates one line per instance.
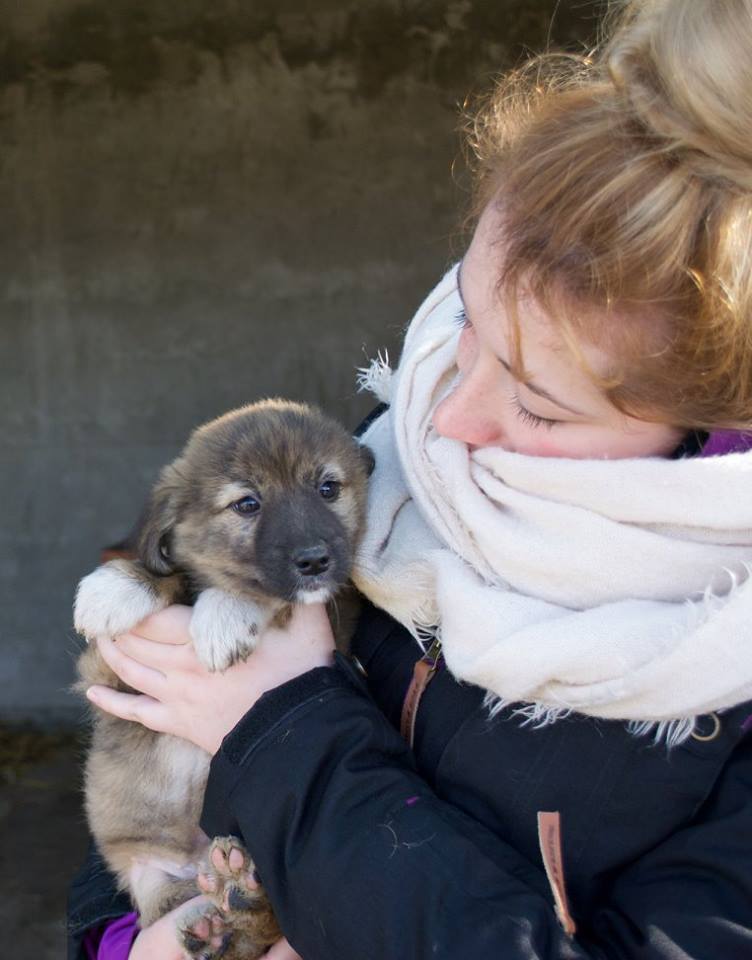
(282, 951)
(180, 696)
(160, 940)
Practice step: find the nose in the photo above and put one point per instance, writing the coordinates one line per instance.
(468, 414)
(313, 560)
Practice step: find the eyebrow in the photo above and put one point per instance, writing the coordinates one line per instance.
(533, 388)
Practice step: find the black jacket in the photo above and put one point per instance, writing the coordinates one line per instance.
(370, 851)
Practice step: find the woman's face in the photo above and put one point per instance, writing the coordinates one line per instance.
(557, 411)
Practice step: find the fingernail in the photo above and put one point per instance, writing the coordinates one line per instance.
(92, 694)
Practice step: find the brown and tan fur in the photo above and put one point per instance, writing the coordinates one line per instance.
(203, 539)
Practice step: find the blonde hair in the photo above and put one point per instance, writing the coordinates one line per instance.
(625, 184)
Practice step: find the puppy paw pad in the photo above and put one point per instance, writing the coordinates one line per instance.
(229, 877)
(203, 934)
(228, 857)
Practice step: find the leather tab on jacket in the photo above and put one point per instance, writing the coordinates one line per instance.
(423, 673)
(549, 837)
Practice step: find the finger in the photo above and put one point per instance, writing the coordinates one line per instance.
(167, 626)
(157, 655)
(309, 616)
(160, 939)
(128, 706)
(282, 950)
(186, 908)
(135, 674)
(308, 626)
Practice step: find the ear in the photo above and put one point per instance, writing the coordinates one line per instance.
(369, 461)
(157, 522)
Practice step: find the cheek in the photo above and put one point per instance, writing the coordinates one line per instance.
(236, 538)
(350, 510)
(595, 443)
(225, 538)
(646, 440)
(543, 442)
(566, 440)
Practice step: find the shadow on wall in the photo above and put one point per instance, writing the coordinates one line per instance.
(205, 204)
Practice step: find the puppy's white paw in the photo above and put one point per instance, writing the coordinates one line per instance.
(224, 628)
(113, 599)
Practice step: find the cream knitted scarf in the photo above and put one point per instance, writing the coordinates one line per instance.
(618, 589)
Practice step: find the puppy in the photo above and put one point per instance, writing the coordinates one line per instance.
(262, 509)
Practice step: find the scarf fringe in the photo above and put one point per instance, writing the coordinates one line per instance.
(536, 715)
(531, 714)
(376, 378)
(672, 733)
(417, 617)
(422, 625)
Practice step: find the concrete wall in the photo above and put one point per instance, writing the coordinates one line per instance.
(204, 203)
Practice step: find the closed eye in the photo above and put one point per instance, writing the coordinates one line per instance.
(462, 320)
(529, 417)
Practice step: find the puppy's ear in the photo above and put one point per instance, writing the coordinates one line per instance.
(369, 461)
(155, 528)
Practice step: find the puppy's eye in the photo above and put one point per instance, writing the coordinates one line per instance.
(246, 506)
(329, 489)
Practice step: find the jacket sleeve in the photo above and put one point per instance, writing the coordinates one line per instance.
(361, 859)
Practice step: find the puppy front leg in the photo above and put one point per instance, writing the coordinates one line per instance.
(225, 629)
(118, 595)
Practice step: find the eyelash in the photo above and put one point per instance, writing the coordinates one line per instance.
(531, 419)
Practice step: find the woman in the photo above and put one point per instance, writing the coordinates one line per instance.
(561, 485)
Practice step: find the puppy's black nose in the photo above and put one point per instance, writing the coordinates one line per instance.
(312, 560)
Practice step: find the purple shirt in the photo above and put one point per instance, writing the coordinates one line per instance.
(114, 940)
(721, 442)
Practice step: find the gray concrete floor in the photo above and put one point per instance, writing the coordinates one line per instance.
(42, 839)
